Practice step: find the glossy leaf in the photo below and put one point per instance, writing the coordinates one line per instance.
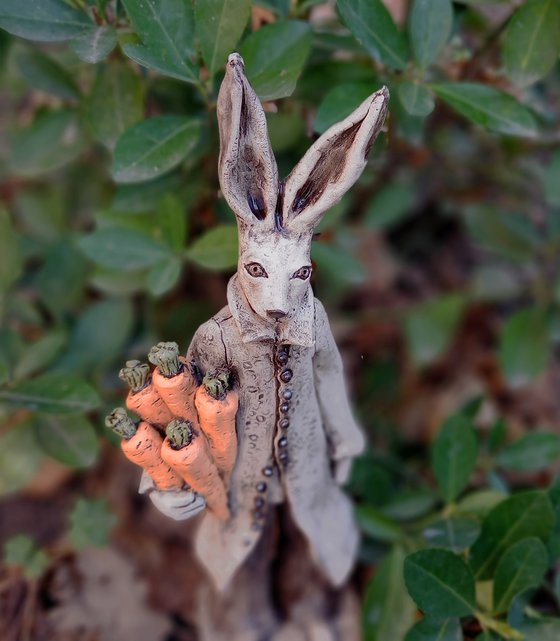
(43, 73)
(91, 522)
(39, 354)
(52, 141)
(215, 250)
(489, 107)
(377, 525)
(116, 102)
(153, 147)
(69, 439)
(385, 595)
(95, 44)
(20, 457)
(440, 582)
(524, 346)
(274, 57)
(21, 551)
(416, 98)
(528, 514)
(390, 205)
(522, 567)
(166, 28)
(455, 533)
(407, 505)
(164, 276)
(531, 452)
(373, 27)
(531, 44)
(123, 249)
(429, 27)
(454, 455)
(551, 182)
(435, 630)
(53, 394)
(42, 20)
(339, 102)
(219, 26)
(10, 252)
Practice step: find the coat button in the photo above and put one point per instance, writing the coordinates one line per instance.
(268, 471)
(286, 375)
(282, 357)
(261, 486)
(259, 502)
(283, 442)
(283, 457)
(284, 423)
(258, 514)
(287, 394)
(285, 408)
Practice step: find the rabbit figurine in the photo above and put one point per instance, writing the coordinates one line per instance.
(296, 436)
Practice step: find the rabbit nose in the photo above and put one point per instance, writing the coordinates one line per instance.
(277, 314)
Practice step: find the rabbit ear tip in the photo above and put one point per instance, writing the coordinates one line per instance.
(234, 60)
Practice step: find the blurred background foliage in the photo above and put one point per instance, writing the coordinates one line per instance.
(439, 269)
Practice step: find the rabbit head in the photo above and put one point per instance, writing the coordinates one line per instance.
(276, 218)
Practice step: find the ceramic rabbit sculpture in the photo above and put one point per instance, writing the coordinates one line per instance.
(296, 436)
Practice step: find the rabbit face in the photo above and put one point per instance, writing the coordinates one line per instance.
(275, 276)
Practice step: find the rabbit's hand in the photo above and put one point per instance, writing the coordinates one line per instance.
(186, 442)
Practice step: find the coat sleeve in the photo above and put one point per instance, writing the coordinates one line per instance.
(345, 437)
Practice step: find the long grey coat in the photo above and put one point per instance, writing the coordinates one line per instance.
(294, 427)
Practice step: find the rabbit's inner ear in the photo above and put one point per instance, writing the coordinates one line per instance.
(328, 168)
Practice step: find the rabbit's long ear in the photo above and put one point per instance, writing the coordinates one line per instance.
(247, 168)
(332, 164)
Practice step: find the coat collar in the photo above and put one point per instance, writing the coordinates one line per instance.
(299, 331)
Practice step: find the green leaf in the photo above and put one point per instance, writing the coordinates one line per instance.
(274, 57)
(531, 452)
(528, 514)
(339, 102)
(164, 276)
(43, 73)
(91, 346)
(551, 182)
(407, 505)
(91, 522)
(377, 525)
(42, 20)
(153, 147)
(434, 630)
(454, 455)
(216, 249)
(52, 141)
(10, 253)
(95, 44)
(166, 29)
(338, 266)
(20, 457)
(430, 327)
(389, 205)
(385, 595)
(22, 551)
(531, 44)
(374, 28)
(219, 26)
(524, 346)
(489, 107)
(116, 102)
(173, 221)
(72, 440)
(429, 28)
(53, 394)
(522, 567)
(415, 98)
(39, 354)
(480, 503)
(123, 249)
(540, 630)
(456, 534)
(146, 196)
(440, 582)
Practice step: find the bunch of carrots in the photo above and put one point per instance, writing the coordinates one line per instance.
(186, 434)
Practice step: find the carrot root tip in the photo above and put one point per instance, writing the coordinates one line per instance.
(135, 375)
(180, 433)
(166, 357)
(119, 421)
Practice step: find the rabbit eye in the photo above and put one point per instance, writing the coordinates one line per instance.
(256, 270)
(303, 273)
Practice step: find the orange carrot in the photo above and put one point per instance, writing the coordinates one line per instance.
(173, 380)
(217, 421)
(142, 446)
(187, 453)
(143, 398)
